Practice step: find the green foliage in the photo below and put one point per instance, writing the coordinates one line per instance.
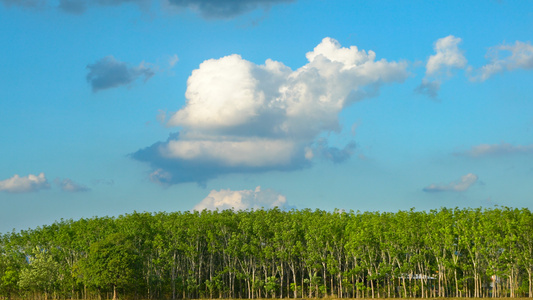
(274, 253)
(9, 275)
(111, 262)
(41, 273)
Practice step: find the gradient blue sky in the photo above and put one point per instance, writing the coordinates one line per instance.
(107, 107)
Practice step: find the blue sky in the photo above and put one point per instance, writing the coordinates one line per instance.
(107, 107)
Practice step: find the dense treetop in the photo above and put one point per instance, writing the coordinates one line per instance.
(274, 253)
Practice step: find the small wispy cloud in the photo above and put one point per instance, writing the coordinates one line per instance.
(103, 182)
(224, 9)
(440, 66)
(67, 185)
(208, 9)
(448, 56)
(25, 3)
(160, 176)
(496, 149)
(109, 73)
(519, 56)
(75, 7)
(30, 183)
(428, 88)
(173, 60)
(460, 185)
(334, 154)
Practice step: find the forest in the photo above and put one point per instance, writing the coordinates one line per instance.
(459, 252)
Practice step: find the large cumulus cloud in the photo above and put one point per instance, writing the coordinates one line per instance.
(244, 117)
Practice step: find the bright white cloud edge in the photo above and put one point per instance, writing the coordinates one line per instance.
(242, 200)
(460, 185)
(228, 96)
(30, 183)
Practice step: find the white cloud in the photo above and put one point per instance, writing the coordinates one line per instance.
(457, 186)
(173, 60)
(67, 185)
(520, 56)
(440, 66)
(222, 93)
(249, 152)
(30, 183)
(497, 149)
(242, 200)
(160, 176)
(448, 56)
(230, 94)
(267, 117)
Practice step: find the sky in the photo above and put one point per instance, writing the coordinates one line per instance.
(113, 106)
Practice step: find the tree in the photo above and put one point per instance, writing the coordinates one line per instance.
(41, 272)
(112, 263)
(10, 265)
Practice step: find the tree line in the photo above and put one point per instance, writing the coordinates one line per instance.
(274, 254)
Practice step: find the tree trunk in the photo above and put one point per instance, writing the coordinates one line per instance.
(530, 294)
